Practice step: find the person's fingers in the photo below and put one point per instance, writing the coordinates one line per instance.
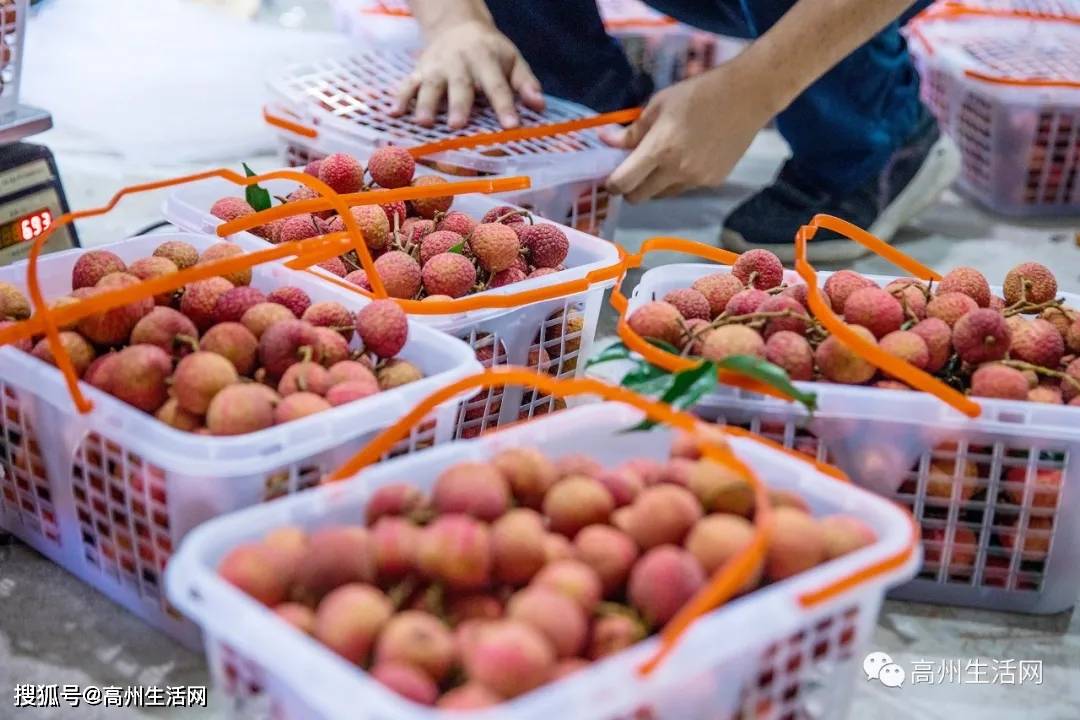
(632, 172)
(427, 102)
(658, 181)
(526, 85)
(629, 137)
(460, 95)
(405, 93)
(493, 82)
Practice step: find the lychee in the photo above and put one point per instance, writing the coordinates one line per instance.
(574, 579)
(908, 346)
(391, 167)
(529, 473)
(578, 464)
(448, 274)
(912, 296)
(623, 484)
(746, 302)
(719, 489)
(407, 681)
(1061, 318)
(470, 696)
(982, 336)
(235, 343)
(759, 269)
(456, 222)
(199, 377)
(472, 488)
(400, 274)
(970, 282)
(716, 539)
(253, 569)
(79, 351)
(495, 246)
(233, 303)
(222, 250)
(690, 303)
(259, 317)
(437, 243)
(170, 330)
(231, 208)
(1045, 394)
(299, 405)
(662, 515)
(312, 168)
(240, 409)
(394, 499)
(477, 606)
(293, 298)
(175, 416)
(200, 299)
(662, 581)
(183, 254)
(998, 381)
(876, 310)
(350, 618)
(1031, 282)
(504, 214)
(334, 266)
(797, 320)
(506, 277)
(414, 230)
(1045, 487)
(93, 265)
(352, 371)
(395, 541)
(796, 544)
(658, 320)
(718, 289)
(729, 340)
(575, 502)
(608, 551)
(304, 376)
(510, 657)
(333, 315)
(950, 307)
(298, 227)
(14, 305)
(373, 223)
(845, 534)
(335, 555)
(138, 376)
(841, 284)
(614, 633)
(383, 328)
(1037, 342)
(791, 352)
(558, 618)
(152, 267)
(937, 335)
(427, 208)
(517, 546)
(397, 372)
(342, 173)
(113, 327)
(839, 363)
(546, 244)
(359, 278)
(456, 549)
(285, 343)
(395, 212)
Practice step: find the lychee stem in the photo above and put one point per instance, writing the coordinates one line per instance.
(513, 213)
(1022, 306)
(182, 340)
(1040, 370)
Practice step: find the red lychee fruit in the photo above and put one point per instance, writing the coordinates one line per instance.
(301, 193)
(912, 296)
(199, 377)
(717, 487)
(937, 335)
(545, 243)
(845, 534)
(286, 343)
(395, 212)
(359, 279)
(235, 343)
(970, 282)
(907, 346)
(183, 254)
(982, 336)
(113, 327)
(504, 214)
(716, 539)
(495, 246)
(231, 208)
(253, 569)
(876, 310)
(558, 618)
(427, 208)
(517, 546)
(373, 223)
(299, 405)
(352, 371)
(456, 550)
(1045, 394)
(406, 681)
(331, 315)
(437, 243)
(397, 372)
(797, 321)
(304, 376)
(298, 227)
(574, 579)
(658, 320)
(506, 277)
(383, 328)
(950, 307)
(998, 381)
(623, 484)
(1037, 342)
(200, 300)
(343, 173)
(334, 266)
(840, 364)
(400, 274)
(472, 488)
(414, 230)
(456, 222)
(392, 167)
(529, 473)
(349, 619)
(259, 317)
(759, 269)
(348, 392)
(152, 267)
(841, 284)
(729, 340)
(578, 464)
(14, 305)
(93, 265)
(240, 409)
(662, 581)
(448, 274)
(608, 551)
(330, 347)
(312, 167)
(169, 329)
(1029, 281)
(662, 515)
(79, 351)
(222, 250)
(718, 289)
(394, 499)
(233, 303)
(295, 299)
(746, 302)
(176, 417)
(138, 376)
(575, 502)
(796, 544)
(791, 352)
(334, 556)
(614, 633)
(690, 303)
(510, 657)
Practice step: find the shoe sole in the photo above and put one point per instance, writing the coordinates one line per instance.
(941, 167)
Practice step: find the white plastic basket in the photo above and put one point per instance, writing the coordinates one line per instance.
(12, 34)
(108, 495)
(344, 102)
(781, 656)
(1006, 87)
(870, 432)
(502, 336)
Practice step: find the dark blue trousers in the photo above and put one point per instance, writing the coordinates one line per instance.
(842, 129)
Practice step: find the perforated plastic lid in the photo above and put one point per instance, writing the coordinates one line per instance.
(353, 96)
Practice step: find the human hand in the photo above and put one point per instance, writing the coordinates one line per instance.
(692, 133)
(461, 58)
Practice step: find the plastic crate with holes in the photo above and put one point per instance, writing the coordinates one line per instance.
(550, 334)
(109, 494)
(12, 29)
(789, 649)
(997, 496)
(341, 105)
(1005, 85)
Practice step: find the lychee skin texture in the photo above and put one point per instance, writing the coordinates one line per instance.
(1030, 281)
(456, 222)
(199, 377)
(283, 343)
(608, 551)
(427, 208)
(166, 328)
(359, 279)
(911, 294)
(239, 409)
(113, 327)
(293, 298)
(437, 243)
(304, 377)
(938, 338)
(222, 250)
(383, 328)
(456, 549)
(717, 538)
(231, 208)
(658, 320)
(235, 343)
(400, 274)
(506, 277)
(663, 515)
(796, 322)
(349, 619)
(876, 310)
(335, 266)
(332, 315)
(299, 405)
(200, 300)
(662, 581)
(576, 502)
(746, 302)
(998, 381)
(397, 372)
(342, 173)
(14, 304)
(496, 246)
(258, 318)
(233, 303)
(718, 289)
(448, 274)
(517, 546)
(472, 488)
(80, 352)
(391, 167)
(690, 303)
(139, 376)
(253, 569)
(982, 336)
(1037, 342)
(841, 284)
(510, 657)
(839, 364)
(547, 245)
(730, 340)
(373, 223)
(183, 254)
(1072, 337)
(407, 681)
(762, 266)
(555, 616)
(153, 267)
(504, 214)
(907, 346)
(791, 352)
(94, 265)
(970, 282)
(298, 227)
(331, 347)
(530, 473)
(950, 307)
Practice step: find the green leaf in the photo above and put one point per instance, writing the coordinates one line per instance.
(257, 196)
(687, 388)
(648, 379)
(615, 351)
(458, 249)
(772, 375)
(664, 345)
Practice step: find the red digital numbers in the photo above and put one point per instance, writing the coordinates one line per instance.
(35, 224)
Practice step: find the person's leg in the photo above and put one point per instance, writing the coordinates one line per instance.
(565, 43)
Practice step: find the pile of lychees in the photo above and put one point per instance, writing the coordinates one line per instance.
(219, 356)
(422, 249)
(519, 570)
(1022, 346)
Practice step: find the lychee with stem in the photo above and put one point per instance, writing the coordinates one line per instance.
(718, 289)
(391, 167)
(374, 225)
(239, 409)
(912, 295)
(222, 250)
(333, 315)
(235, 343)
(153, 267)
(950, 307)
(1037, 342)
(233, 303)
(662, 581)
(760, 269)
(791, 352)
(298, 227)
(970, 282)
(400, 274)
(937, 335)
(456, 222)
(93, 265)
(505, 215)
(796, 320)
(428, 208)
(690, 303)
(343, 173)
(908, 346)
(876, 310)
(839, 363)
(545, 243)
(437, 243)
(495, 246)
(840, 285)
(305, 376)
(1030, 282)
(982, 336)
(183, 254)
(114, 326)
(449, 274)
(200, 300)
(746, 302)
(286, 343)
(383, 328)
(169, 329)
(998, 381)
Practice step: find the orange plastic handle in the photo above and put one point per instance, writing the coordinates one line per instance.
(834, 324)
(292, 126)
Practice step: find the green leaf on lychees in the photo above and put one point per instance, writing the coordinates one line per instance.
(458, 249)
(687, 387)
(663, 345)
(772, 375)
(648, 379)
(257, 196)
(615, 351)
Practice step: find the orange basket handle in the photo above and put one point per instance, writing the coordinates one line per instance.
(870, 352)
(294, 126)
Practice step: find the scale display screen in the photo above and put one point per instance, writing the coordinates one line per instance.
(26, 228)
(31, 199)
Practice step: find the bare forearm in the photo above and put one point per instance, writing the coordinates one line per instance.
(432, 14)
(813, 37)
